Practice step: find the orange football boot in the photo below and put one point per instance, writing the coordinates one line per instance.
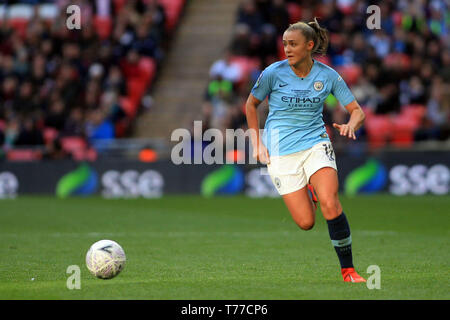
(350, 275)
(312, 195)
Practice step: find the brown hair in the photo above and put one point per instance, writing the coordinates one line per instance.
(313, 31)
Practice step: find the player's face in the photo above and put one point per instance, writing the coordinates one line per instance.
(296, 48)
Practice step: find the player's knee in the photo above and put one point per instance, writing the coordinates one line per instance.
(330, 207)
(306, 225)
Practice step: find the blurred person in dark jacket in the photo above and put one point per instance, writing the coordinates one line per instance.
(29, 135)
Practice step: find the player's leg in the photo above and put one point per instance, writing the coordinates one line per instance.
(301, 208)
(289, 178)
(326, 185)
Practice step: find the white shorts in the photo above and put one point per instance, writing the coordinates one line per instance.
(291, 172)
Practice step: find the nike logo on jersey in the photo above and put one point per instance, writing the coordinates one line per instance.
(283, 85)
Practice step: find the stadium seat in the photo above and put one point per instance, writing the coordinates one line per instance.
(350, 73)
(135, 88)
(103, 26)
(396, 59)
(73, 144)
(173, 10)
(23, 155)
(139, 77)
(379, 128)
(50, 134)
(128, 106)
(295, 12)
(148, 68)
(20, 25)
(403, 130)
(246, 64)
(85, 154)
(324, 59)
(414, 112)
(118, 5)
(121, 126)
(367, 111)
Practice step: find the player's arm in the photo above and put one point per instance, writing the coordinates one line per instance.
(357, 117)
(259, 150)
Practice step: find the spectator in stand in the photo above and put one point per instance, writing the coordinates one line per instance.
(249, 15)
(219, 88)
(56, 116)
(56, 76)
(365, 92)
(279, 16)
(156, 16)
(413, 91)
(436, 123)
(392, 67)
(445, 70)
(9, 88)
(92, 95)
(74, 126)
(110, 106)
(25, 104)
(267, 49)
(146, 43)
(11, 132)
(240, 44)
(29, 134)
(225, 69)
(55, 151)
(99, 127)
(115, 81)
(387, 100)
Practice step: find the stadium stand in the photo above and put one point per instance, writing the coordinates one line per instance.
(400, 74)
(91, 83)
(60, 89)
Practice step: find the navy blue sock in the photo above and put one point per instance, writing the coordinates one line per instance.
(341, 239)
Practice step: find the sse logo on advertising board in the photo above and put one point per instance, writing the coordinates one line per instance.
(419, 179)
(132, 184)
(9, 184)
(82, 181)
(369, 178)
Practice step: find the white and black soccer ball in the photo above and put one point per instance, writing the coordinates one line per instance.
(105, 259)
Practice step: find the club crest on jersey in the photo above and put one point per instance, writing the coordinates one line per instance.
(318, 85)
(277, 182)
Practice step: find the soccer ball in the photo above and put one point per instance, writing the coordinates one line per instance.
(105, 259)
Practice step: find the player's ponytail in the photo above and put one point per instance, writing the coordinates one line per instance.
(321, 41)
(313, 31)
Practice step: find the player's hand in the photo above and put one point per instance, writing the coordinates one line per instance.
(261, 154)
(345, 130)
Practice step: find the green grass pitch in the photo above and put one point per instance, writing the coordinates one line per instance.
(189, 247)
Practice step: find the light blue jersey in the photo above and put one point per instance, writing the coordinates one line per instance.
(295, 119)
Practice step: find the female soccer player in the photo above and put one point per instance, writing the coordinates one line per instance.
(295, 145)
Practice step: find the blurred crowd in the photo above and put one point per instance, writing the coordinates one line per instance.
(399, 74)
(90, 83)
(56, 82)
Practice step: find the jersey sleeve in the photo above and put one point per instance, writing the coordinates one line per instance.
(340, 90)
(263, 86)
